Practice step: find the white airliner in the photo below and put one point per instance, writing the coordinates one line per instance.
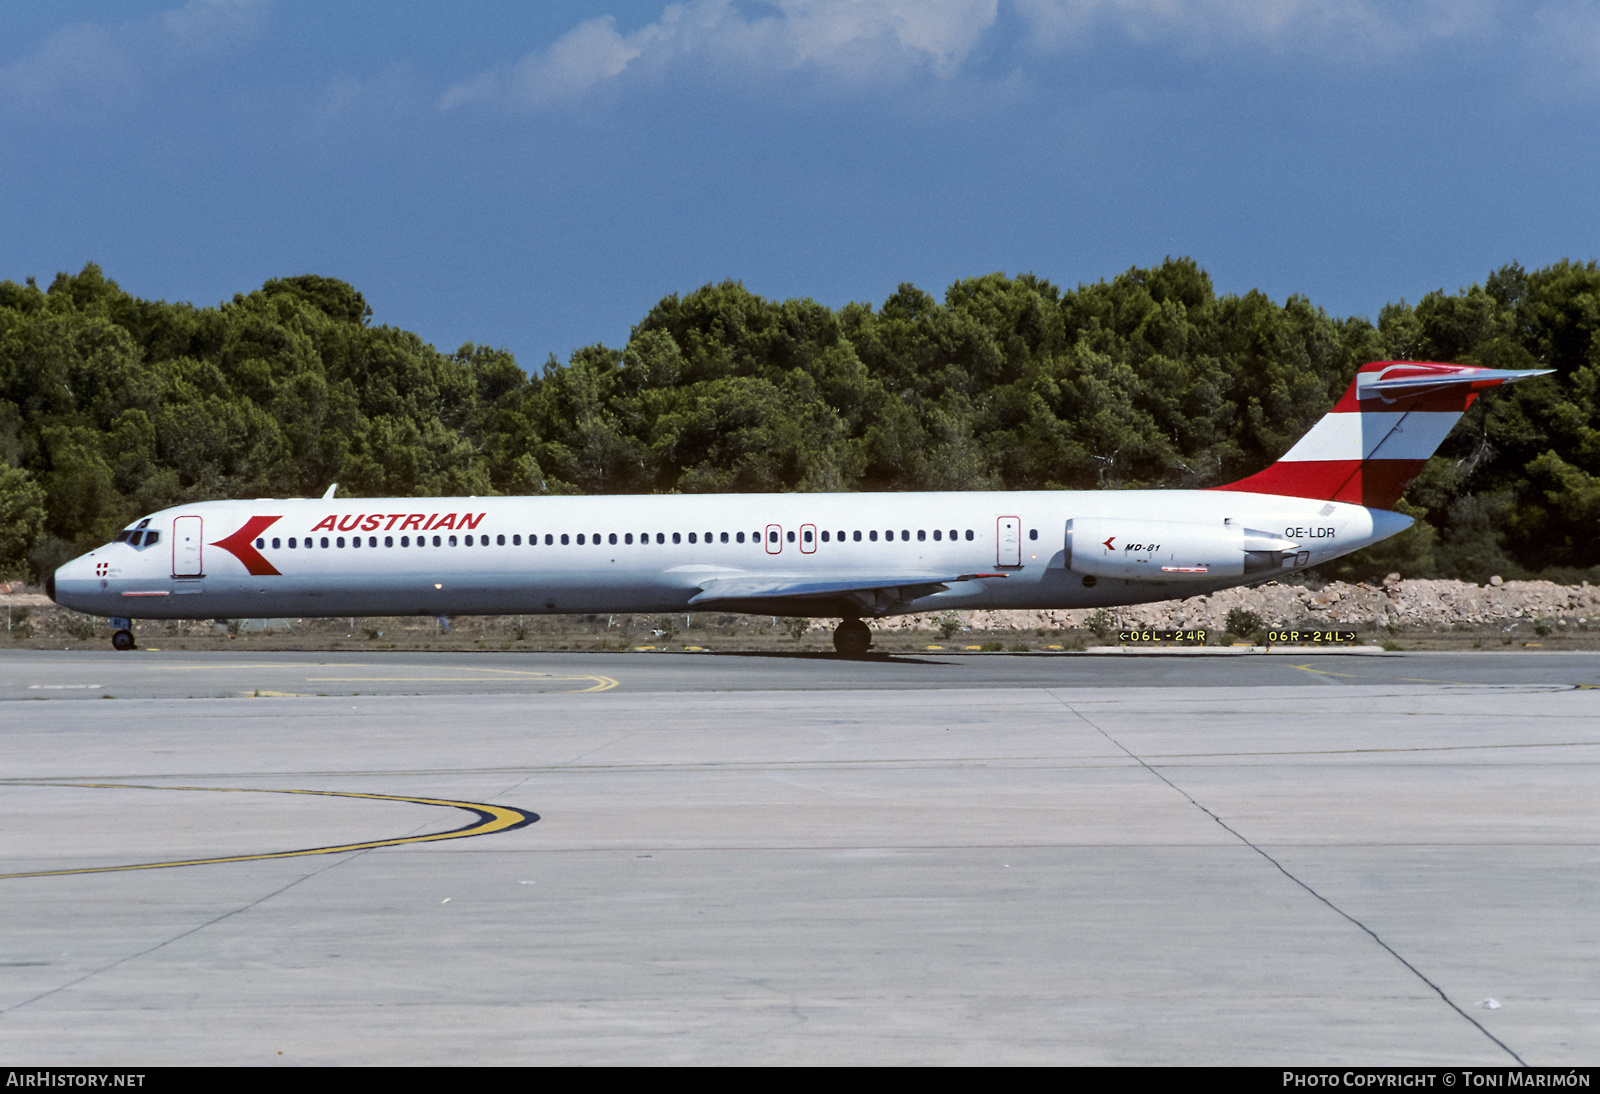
(853, 556)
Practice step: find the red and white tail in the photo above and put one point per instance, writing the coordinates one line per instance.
(1393, 417)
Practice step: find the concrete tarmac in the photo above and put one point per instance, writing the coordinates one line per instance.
(1275, 860)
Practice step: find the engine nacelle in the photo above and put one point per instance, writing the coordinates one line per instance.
(1164, 550)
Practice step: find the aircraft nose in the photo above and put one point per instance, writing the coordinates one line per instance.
(70, 583)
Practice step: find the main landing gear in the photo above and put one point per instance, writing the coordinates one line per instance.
(122, 635)
(852, 638)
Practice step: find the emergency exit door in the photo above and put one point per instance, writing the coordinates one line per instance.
(1008, 542)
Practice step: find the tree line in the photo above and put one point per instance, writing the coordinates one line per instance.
(112, 406)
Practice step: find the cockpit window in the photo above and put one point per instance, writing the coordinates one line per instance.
(122, 537)
(145, 523)
(152, 538)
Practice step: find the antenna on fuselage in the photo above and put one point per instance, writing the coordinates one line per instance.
(329, 495)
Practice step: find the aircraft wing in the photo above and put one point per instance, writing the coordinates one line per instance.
(895, 587)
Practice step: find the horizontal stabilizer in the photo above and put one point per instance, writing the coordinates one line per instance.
(1386, 387)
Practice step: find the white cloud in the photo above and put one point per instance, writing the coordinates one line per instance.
(211, 25)
(101, 63)
(861, 41)
(1569, 33)
(1341, 29)
(82, 58)
(589, 53)
(883, 42)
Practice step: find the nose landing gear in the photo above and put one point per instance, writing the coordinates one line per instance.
(852, 638)
(122, 635)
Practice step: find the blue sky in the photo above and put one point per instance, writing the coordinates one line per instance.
(537, 176)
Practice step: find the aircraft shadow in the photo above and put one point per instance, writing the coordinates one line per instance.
(812, 655)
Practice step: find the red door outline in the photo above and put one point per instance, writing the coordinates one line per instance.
(1008, 541)
(774, 538)
(808, 538)
(187, 545)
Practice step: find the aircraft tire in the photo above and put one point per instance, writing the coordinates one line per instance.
(123, 640)
(852, 638)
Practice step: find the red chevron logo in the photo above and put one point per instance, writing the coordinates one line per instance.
(239, 546)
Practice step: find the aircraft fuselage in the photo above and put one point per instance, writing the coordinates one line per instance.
(788, 554)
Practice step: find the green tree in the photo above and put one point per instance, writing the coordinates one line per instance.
(22, 512)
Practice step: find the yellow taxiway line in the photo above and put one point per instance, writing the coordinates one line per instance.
(490, 819)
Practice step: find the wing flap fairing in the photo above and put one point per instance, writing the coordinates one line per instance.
(901, 587)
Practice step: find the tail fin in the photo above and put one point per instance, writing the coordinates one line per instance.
(1392, 418)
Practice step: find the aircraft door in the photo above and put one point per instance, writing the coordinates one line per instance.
(186, 547)
(1008, 542)
(774, 538)
(808, 538)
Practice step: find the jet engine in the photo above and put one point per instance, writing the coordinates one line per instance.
(1164, 550)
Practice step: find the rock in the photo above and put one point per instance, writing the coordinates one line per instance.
(1496, 581)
